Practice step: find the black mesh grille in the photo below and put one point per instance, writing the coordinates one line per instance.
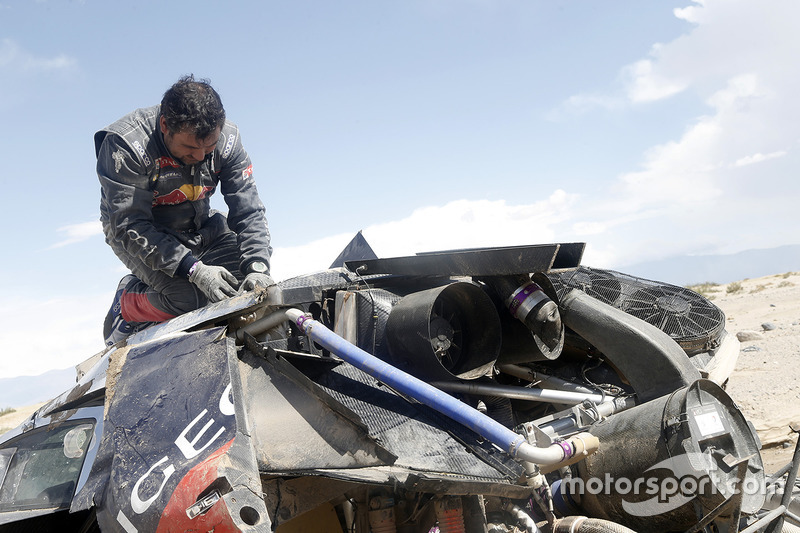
(694, 322)
(414, 432)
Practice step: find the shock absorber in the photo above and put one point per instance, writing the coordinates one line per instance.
(450, 514)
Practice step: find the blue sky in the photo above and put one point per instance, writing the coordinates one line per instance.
(645, 129)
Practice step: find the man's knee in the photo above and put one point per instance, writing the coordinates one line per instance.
(181, 297)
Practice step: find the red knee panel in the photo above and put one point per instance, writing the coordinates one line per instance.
(137, 308)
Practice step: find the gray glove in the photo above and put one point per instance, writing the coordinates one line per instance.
(215, 281)
(256, 278)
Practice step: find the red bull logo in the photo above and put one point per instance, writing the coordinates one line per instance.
(186, 193)
(168, 162)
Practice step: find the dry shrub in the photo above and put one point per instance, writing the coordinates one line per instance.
(704, 289)
(734, 287)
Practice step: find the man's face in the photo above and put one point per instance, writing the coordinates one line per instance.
(186, 146)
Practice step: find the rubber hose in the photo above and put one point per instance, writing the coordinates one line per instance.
(522, 518)
(506, 439)
(625, 341)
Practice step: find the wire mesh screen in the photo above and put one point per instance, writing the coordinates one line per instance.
(690, 319)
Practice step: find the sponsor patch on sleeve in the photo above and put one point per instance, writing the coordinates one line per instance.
(139, 148)
(118, 158)
(228, 146)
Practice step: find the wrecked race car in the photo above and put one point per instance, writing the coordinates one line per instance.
(492, 390)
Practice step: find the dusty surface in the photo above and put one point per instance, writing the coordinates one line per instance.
(12, 420)
(766, 381)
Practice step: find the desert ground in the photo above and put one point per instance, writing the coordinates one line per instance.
(764, 313)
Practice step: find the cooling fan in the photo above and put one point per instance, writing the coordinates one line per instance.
(446, 334)
(443, 333)
(690, 319)
(684, 315)
(598, 284)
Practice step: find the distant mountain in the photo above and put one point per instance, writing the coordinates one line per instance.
(28, 390)
(694, 269)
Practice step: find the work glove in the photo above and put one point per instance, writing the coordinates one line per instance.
(256, 278)
(215, 281)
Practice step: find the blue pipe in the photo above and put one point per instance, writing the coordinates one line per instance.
(513, 443)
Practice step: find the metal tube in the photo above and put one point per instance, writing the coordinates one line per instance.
(792, 516)
(766, 519)
(513, 443)
(788, 488)
(265, 323)
(518, 393)
(779, 473)
(569, 424)
(535, 377)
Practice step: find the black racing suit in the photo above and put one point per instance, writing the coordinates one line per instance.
(157, 218)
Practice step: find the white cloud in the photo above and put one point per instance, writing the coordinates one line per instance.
(729, 38)
(748, 117)
(644, 83)
(693, 14)
(582, 103)
(702, 191)
(758, 158)
(458, 224)
(41, 335)
(676, 172)
(14, 57)
(22, 72)
(75, 233)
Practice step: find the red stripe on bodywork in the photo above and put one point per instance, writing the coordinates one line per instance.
(198, 479)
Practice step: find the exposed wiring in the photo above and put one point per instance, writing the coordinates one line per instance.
(603, 388)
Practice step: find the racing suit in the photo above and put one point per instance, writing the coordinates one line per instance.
(157, 218)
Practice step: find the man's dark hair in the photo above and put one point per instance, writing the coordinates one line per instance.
(192, 106)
